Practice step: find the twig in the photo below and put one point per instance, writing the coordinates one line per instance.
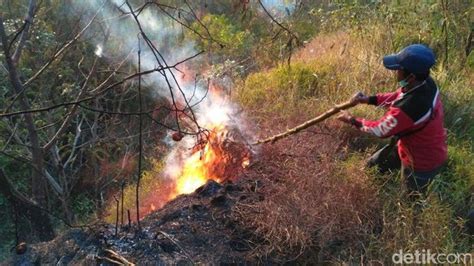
(25, 31)
(177, 244)
(162, 62)
(100, 90)
(307, 124)
(122, 196)
(64, 48)
(116, 215)
(72, 112)
(140, 143)
(114, 262)
(117, 257)
(45, 66)
(279, 24)
(7, 189)
(202, 24)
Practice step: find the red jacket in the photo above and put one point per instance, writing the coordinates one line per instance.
(416, 116)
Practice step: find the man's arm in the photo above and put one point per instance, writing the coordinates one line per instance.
(392, 123)
(384, 99)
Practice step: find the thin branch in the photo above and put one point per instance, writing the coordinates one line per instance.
(72, 112)
(12, 136)
(62, 50)
(336, 109)
(45, 66)
(24, 35)
(145, 113)
(157, 56)
(202, 24)
(99, 93)
(140, 138)
(7, 189)
(163, 7)
(279, 24)
(56, 187)
(17, 34)
(75, 145)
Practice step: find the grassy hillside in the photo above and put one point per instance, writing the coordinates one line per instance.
(283, 62)
(331, 68)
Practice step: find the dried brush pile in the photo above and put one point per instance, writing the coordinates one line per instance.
(312, 207)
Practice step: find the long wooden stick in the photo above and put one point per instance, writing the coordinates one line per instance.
(336, 109)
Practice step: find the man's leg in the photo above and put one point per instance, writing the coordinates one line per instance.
(416, 180)
(386, 158)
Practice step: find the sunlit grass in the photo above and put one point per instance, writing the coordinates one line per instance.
(328, 71)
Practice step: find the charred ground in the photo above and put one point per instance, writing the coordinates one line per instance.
(234, 222)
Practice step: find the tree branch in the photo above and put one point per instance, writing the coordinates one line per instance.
(62, 50)
(279, 24)
(24, 34)
(54, 184)
(100, 90)
(72, 112)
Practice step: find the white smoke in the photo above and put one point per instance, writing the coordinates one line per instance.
(119, 37)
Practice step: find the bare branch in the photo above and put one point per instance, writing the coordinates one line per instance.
(12, 136)
(280, 25)
(72, 112)
(140, 138)
(45, 66)
(202, 24)
(24, 34)
(75, 144)
(14, 195)
(54, 184)
(62, 50)
(100, 89)
(159, 58)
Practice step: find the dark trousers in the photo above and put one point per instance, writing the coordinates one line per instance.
(416, 180)
(387, 160)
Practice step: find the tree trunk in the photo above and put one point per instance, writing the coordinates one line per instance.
(28, 208)
(39, 219)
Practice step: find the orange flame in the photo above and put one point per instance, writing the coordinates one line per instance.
(221, 156)
(210, 162)
(195, 173)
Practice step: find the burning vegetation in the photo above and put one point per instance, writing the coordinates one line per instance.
(210, 144)
(222, 155)
(219, 158)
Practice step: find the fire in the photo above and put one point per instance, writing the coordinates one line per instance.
(219, 153)
(218, 159)
(194, 175)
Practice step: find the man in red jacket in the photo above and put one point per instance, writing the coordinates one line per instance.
(414, 116)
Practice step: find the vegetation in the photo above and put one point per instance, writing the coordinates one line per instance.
(71, 161)
(345, 57)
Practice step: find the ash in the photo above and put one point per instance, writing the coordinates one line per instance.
(194, 228)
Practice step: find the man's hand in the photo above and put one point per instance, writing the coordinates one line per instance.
(359, 98)
(345, 117)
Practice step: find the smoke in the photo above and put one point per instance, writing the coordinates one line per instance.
(117, 35)
(279, 9)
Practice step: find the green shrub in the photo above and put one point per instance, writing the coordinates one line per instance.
(223, 31)
(456, 183)
(285, 89)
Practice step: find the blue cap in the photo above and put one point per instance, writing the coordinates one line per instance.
(415, 58)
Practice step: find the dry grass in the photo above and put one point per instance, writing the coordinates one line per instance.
(309, 202)
(329, 70)
(319, 204)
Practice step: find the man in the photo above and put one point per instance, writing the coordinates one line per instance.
(414, 116)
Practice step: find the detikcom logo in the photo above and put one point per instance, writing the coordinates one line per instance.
(428, 257)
